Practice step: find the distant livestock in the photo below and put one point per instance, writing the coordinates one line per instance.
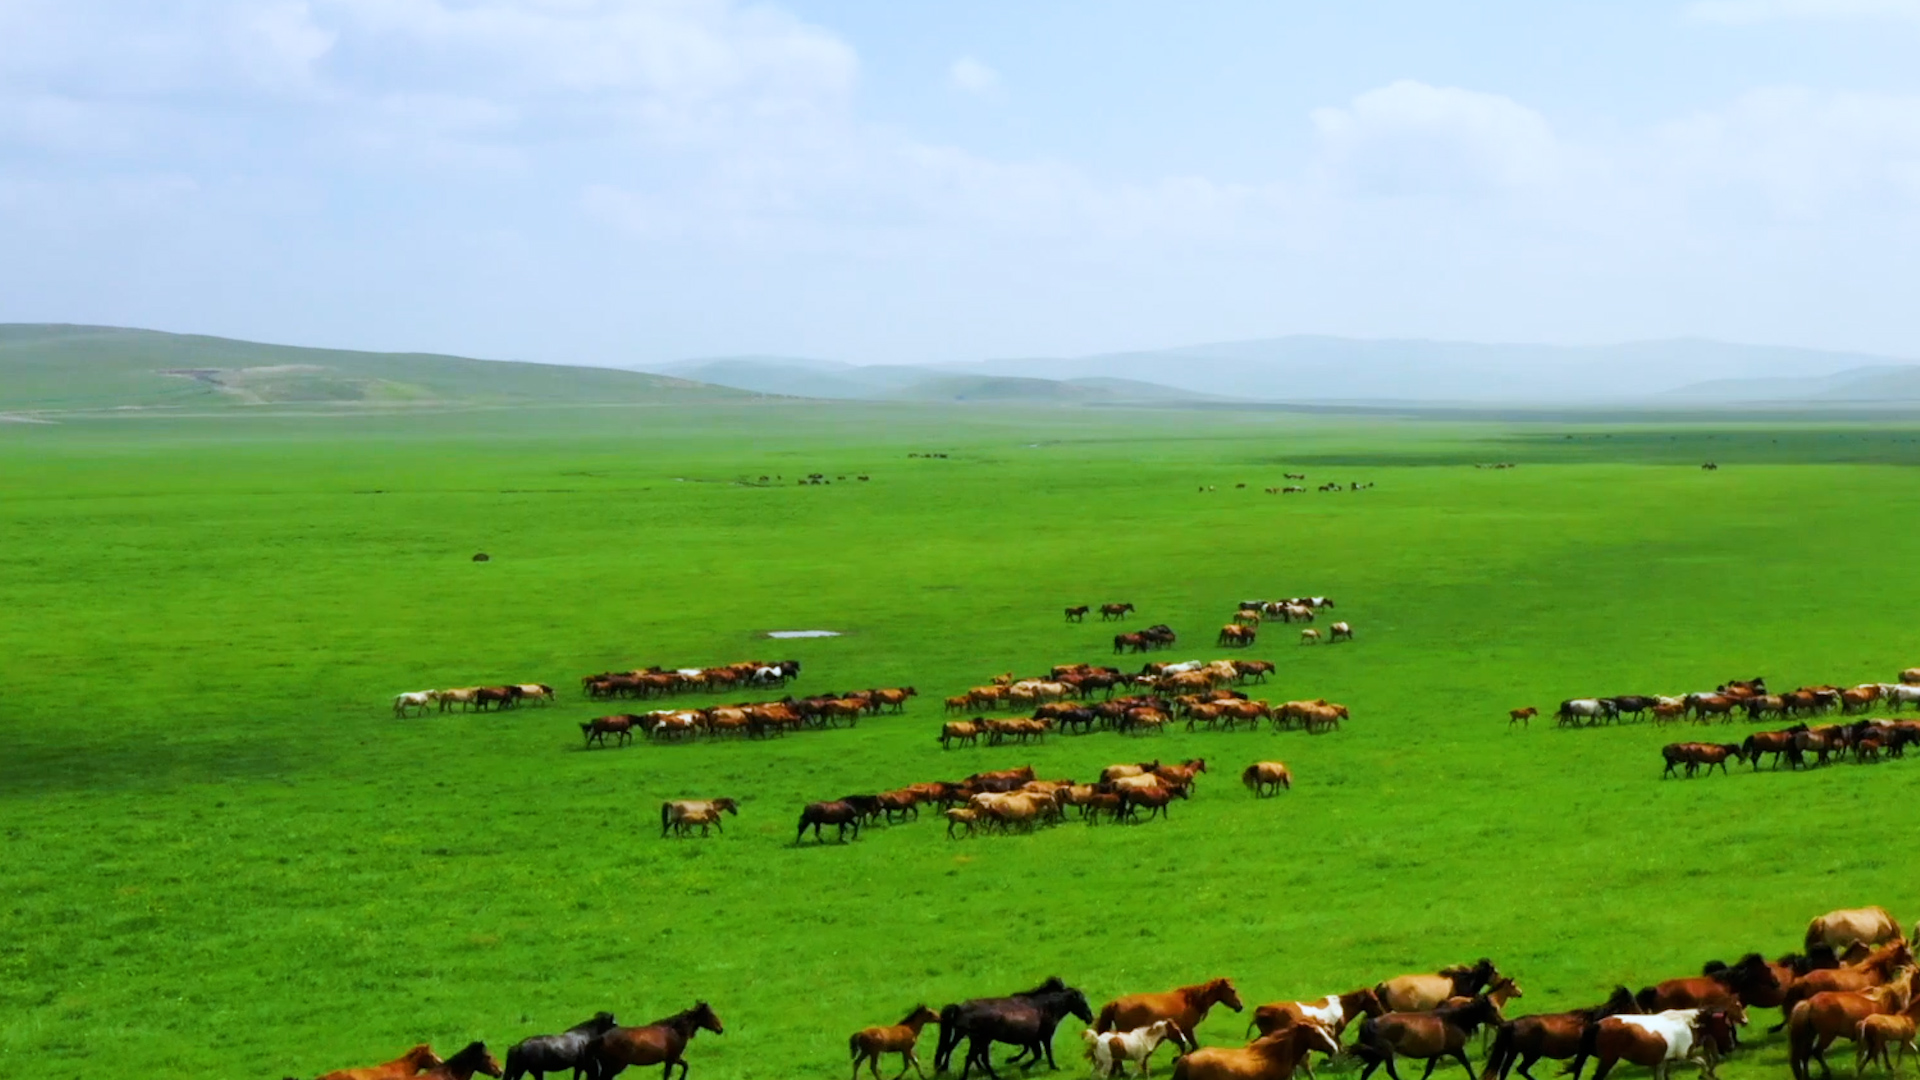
(1267, 778)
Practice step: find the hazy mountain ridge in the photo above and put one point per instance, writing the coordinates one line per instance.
(1347, 370)
(55, 367)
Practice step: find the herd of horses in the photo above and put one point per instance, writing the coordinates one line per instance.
(597, 1049)
(749, 719)
(1801, 746)
(666, 682)
(1853, 981)
(1732, 698)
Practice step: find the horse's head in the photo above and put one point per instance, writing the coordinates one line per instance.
(1075, 1004)
(703, 1017)
(1620, 1001)
(729, 805)
(422, 1057)
(1221, 991)
(473, 1058)
(921, 1015)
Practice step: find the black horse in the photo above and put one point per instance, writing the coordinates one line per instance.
(1025, 1020)
(954, 1019)
(839, 812)
(543, 1054)
(1633, 704)
(869, 806)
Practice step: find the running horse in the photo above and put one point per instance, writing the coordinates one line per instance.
(413, 1061)
(659, 1043)
(1185, 1008)
(1415, 993)
(1025, 1020)
(1525, 1040)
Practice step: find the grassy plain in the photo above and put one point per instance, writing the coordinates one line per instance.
(224, 857)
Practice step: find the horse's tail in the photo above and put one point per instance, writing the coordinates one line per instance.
(666, 812)
(853, 1046)
(1104, 1022)
(1502, 1047)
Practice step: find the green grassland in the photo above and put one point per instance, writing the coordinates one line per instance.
(225, 857)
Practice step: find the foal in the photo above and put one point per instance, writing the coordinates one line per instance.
(868, 1044)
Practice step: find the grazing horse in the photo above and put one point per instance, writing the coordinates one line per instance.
(659, 1043)
(1110, 1052)
(1114, 611)
(1417, 993)
(1267, 778)
(1185, 1007)
(837, 812)
(1838, 1014)
(414, 1060)
(1077, 614)
(683, 814)
(1270, 1057)
(1523, 717)
(1839, 929)
(543, 1054)
(1659, 1040)
(1442, 1032)
(1027, 1021)
(867, 1044)
(1527, 1039)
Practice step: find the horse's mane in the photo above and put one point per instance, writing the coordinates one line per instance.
(1614, 999)
(1053, 985)
(470, 1056)
(600, 1019)
(684, 1019)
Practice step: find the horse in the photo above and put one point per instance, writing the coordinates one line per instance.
(1749, 982)
(1834, 1014)
(414, 1060)
(1590, 710)
(419, 699)
(1527, 1039)
(1333, 1012)
(1077, 614)
(472, 1058)
(1876, 968)
(683, 814)
(1111, 1051)
(1186, 1007)
(1339, 631)
(620, 727)
(1876, 1033)
(1523, 717)
(868, 1044)
(837, 812)
(1114, 611)
(659, 1043)
(1434, 1034)
(543, 1054)
(1659, 1040)
(1839, 929)
(1416, 993)
(1270, 1057)
(1267, 778)
(1026, 1021)
(1309, 636)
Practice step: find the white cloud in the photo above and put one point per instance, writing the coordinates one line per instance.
(973, 77)
(1410, 138)
(1745, 12)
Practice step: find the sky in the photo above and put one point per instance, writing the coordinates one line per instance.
(884, 181)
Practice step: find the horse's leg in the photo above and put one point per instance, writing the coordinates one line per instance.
(1431, 1063)
(1460, 1055)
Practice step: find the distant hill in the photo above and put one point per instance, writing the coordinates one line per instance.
(45, 367)
(902, 382)
(1877, 383)
(1328, 369)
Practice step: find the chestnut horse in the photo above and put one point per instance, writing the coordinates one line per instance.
(414, 1060)
(1834, 1014)
(1185, 1007)
(1270, 1057)
(867, 1044)
(1443, 1032)
(659, 1043)
(1878, 967)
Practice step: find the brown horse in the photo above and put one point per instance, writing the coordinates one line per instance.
(1416, 993)
(1878, 967)
(659, 1043)
(1751, 982)
(1185, 1007)
(1837, 1014)
(1548, 1035)
(1443, 1032)
(1333, 1012)
(838, 812)
(472, 1058)
(867, 1044)
(1656, 1042)
(414, 1060)
(1270, 1057)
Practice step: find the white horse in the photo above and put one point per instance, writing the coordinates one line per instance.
(1110, 1052)
(419, 699)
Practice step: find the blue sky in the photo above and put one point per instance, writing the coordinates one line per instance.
(625, 181)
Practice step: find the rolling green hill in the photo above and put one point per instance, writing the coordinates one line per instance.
(57, 368)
